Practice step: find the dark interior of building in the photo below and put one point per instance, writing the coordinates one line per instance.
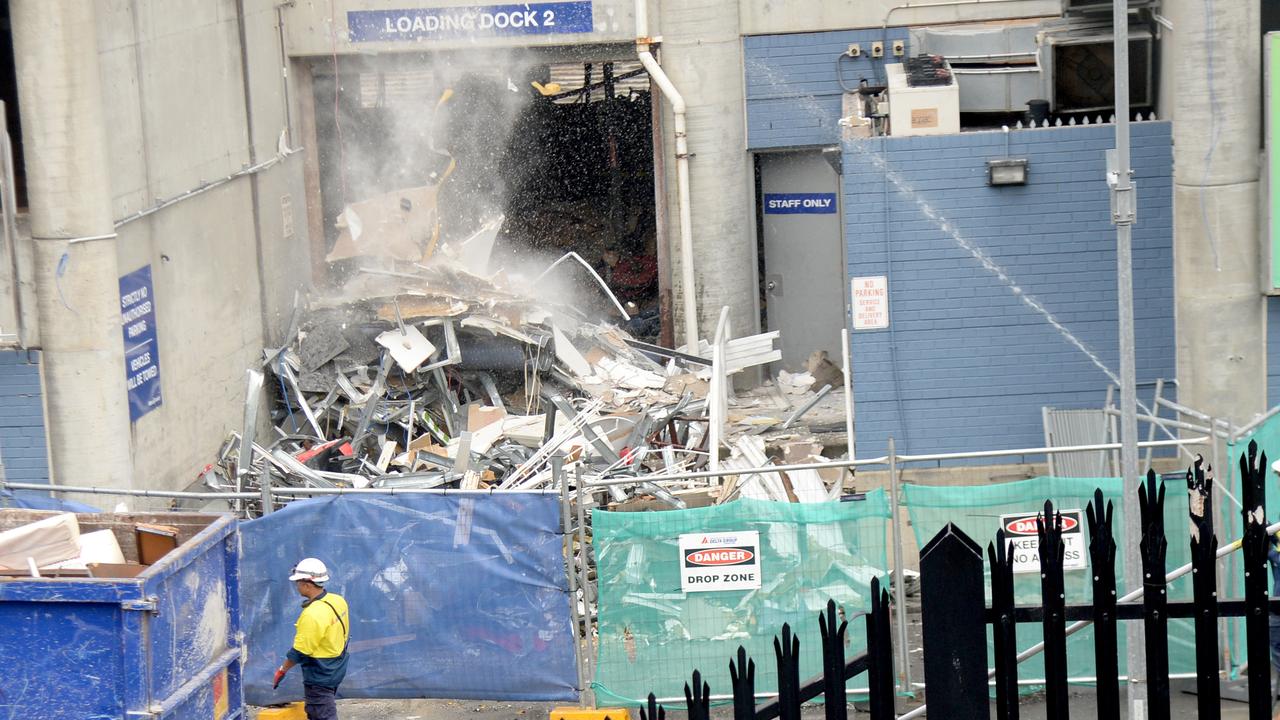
(568, 165)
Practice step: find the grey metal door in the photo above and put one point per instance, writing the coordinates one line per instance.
(803, 254)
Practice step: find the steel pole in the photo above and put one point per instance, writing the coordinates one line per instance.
(899, 580)
(1124, 205)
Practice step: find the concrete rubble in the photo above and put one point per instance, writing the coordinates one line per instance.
(435, 377)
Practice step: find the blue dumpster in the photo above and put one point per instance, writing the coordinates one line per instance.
(162, 644)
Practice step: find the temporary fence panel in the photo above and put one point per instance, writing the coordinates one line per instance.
(451, 596)
(1068, 428)
(651, 632)
(979, 510)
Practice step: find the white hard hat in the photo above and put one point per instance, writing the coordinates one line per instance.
(1275, 466)
(311, 569)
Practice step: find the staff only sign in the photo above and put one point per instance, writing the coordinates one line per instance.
(720, 561)
(1024, 544)
(799, 203)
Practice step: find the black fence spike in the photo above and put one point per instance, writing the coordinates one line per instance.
(1102, 564)
(1004, 628)
(1254, 547)
(879, 655)
(1053, 598)
(1155, 598)
(656, 711)
(832, 629)
(787, 650)
(742, 675)
(698, 698)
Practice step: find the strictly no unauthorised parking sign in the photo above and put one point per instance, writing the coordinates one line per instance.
(720, 561)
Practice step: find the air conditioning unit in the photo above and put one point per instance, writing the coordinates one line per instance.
(923, 97)
(1078, 64)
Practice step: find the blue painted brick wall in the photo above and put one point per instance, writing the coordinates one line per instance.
(22, 438)
(793, 93)
(974, 364)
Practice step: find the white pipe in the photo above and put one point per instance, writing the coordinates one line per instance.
(659, 76)
(850, 440)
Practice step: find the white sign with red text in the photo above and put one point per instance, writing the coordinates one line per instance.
(870, 297)
(1024, 544)
(720, 561)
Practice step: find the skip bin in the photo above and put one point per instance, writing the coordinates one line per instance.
(164, 644)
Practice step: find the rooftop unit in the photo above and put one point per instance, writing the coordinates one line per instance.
(923, 97)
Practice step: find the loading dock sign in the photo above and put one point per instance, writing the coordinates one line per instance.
(472, 21)
(1024, 544)
(720, 561)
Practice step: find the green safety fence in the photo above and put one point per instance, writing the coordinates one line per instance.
(1267, 435)
(978, 511)
(652, 636)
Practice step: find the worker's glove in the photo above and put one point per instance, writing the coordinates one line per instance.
(279, 676)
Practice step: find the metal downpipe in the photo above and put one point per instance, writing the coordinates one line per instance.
(673, 96)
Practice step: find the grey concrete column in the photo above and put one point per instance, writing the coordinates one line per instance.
(76, 274)
(701, 52)
(1219, 307)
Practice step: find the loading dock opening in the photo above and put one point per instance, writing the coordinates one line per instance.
(559, 156)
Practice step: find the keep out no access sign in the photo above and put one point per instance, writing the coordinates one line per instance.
(1023, 541)
(720, 561)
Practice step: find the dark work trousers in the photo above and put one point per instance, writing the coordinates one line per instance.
(320, 703)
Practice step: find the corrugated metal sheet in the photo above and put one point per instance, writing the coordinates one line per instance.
(1065, 428)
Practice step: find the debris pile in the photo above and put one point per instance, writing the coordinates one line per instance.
(440, 378)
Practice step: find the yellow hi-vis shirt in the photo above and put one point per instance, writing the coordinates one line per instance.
(320, 645)
(323, 627)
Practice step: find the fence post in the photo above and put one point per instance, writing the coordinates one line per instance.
(955, 642)
(899, 583)
(832, 629)
(787, 651)
(743, 677)
(1102, 560)
(698, 698)
(1053, 597)
(566, 524)
(1253, 472)
(880, 654)
(1204, 570)
(1155, 600)
(1004, 628)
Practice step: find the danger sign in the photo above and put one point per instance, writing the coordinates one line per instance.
(719, 561)
(1023, 542)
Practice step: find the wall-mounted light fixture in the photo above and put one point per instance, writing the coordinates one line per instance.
(1009, 171)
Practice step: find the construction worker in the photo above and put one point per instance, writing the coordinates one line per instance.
(320, 643)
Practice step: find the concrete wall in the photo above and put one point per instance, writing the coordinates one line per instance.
(22, 439)
(1216, 102)
(789, 16)
(793, 94)
(178, 117)
(967, 364)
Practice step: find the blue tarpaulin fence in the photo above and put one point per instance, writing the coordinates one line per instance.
(451, 596)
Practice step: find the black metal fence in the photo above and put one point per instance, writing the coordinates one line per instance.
(955, 617)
